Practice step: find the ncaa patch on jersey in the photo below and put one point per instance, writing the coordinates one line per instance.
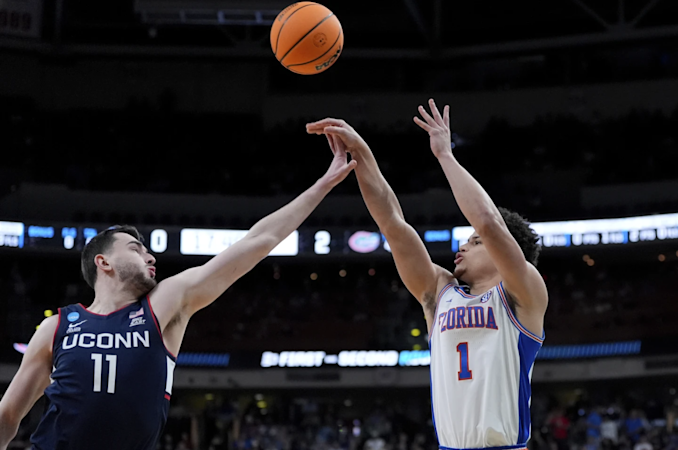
(72, 317)
(485, 297)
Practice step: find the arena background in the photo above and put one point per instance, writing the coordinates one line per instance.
(174, 116)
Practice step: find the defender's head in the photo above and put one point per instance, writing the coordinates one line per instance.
(118, 254)
(474, 262)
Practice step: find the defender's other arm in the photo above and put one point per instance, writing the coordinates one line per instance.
(30, 381)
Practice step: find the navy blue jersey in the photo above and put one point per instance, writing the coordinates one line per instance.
(111, 382)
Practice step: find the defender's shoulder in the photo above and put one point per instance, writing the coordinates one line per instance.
(50, 324)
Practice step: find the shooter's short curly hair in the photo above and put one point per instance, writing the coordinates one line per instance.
(521, 231)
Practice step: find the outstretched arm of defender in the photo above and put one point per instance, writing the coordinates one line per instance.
(412, 260)
(196, 288)
(520, 277)
(30, 381)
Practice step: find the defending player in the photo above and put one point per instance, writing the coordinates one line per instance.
(484, 336)
(111, 365)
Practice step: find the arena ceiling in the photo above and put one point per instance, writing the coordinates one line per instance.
(415, 29)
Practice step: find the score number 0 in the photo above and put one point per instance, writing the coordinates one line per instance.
(158, 241)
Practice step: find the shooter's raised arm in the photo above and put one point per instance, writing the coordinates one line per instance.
(414, 264)
(520, 278)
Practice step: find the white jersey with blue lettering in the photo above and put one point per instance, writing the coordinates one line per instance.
(481, 367)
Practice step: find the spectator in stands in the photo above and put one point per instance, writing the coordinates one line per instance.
(643, 444)
(672, 441)
(560, 426)
(184, 443)
(376, 442)
(593, 423)
(635, 424)
(609, 431)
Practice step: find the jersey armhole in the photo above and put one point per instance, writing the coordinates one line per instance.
(504, 300)
(56, 331)
(445, 288)
(157, 327)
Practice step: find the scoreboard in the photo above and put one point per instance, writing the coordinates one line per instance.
(334, 241)
(177, 241)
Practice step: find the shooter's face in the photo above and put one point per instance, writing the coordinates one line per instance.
(132, 264)
(473, 262)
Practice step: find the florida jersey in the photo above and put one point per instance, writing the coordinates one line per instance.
(111, 382)
(481, 368)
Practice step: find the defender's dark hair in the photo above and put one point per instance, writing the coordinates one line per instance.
(521, 231)
(99, 244)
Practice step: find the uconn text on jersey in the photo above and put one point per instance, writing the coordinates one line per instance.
(107, 340)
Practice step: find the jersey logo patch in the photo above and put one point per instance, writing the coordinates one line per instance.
(485, 297)
(134, 314)
(137, 321)
(75, 327)
(72, 317)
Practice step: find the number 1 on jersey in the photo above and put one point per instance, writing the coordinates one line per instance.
(112, 363)
(464, 372)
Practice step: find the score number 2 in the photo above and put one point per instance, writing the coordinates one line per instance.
(322, 242)
(464, 372)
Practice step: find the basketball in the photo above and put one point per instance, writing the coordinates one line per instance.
(307, 38)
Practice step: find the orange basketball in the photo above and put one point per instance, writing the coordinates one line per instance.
(307, 38)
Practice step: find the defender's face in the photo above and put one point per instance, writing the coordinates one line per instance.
(473, 261)
(132, 263)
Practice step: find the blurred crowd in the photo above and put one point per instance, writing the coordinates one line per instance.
(309, 424)
(607, 428)
(304, 423)
(285, 306)
(610, 415)
(628, 417)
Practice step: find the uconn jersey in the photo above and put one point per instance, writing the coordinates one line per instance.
(111, 381)
(481, 367)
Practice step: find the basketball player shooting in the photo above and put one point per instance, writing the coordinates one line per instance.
(485, 318)
(107, 370)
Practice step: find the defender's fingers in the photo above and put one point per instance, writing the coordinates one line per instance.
(331, 141)
(446, 116)
(339, 143)
(339, 146)
(350, 166)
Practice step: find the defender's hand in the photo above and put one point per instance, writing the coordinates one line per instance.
(438, 128)
(340, 167)
(345, 137)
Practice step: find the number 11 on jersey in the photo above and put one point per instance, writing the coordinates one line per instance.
(464, 372)
(98, 363)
